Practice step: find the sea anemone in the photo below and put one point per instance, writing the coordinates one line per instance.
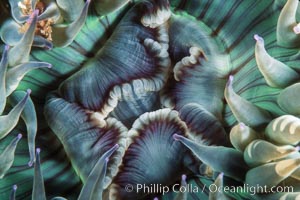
(149, 99)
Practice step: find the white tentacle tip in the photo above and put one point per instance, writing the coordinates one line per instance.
(258, 38)
(6, 47)
(176, 137)
(30, 163)
(28, 91)
(36, 12)
(221, 174)
(15, 187)
(38, 150)
(242, 126)
(183, 177)
(19, 136)
(296, 29)
(230, 80)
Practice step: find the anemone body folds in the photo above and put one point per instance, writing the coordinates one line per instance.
(157, 93)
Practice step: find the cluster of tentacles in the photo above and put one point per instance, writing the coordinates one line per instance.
(169, 94)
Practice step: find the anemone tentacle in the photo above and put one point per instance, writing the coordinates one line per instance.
(7, 156)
